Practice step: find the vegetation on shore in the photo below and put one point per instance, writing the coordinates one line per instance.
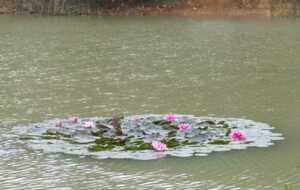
(153, 7)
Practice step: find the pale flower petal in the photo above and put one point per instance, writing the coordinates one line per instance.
(74, 119)
(237, 136)
(171, 117)
(59, 124)
(159, 147)
(184, 127)
(88, 124)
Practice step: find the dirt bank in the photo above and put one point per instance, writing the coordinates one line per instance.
(261, 8)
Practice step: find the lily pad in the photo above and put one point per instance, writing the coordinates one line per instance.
(132, 136)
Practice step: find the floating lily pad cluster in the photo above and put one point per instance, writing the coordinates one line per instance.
(146, 136)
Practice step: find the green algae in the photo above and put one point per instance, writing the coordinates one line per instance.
(161, 122)
(228, 132)
(48, 132)
(219, 142)
(137, 147)
(100, 147)
(98, 133)
(110, 141)
(171, 143)
(225, 125)
(26, 137)
(56, 133)
(172, 133)
(71, 141)
(187, 142)
(48, 137)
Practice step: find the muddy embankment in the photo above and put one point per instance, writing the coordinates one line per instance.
(260, 8)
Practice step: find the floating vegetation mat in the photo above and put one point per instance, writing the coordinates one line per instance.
(146, 137)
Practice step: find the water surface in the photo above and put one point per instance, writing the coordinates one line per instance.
(97, 66)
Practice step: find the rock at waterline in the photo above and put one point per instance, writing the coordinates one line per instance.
(134, 136)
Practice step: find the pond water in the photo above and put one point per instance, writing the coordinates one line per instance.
(98, 66)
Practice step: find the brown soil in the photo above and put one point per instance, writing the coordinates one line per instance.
(197, 8)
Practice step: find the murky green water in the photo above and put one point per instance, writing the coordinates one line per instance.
(97, 66)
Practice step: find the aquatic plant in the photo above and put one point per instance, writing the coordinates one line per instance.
(184, 127)
(171, 117)
(238, 136)
(158, 146)
(88, 124)
(59, 124)
(144, 136)
(74, 119)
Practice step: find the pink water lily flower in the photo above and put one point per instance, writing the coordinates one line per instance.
(59, 124)
(88, 124)
(184, 127)
(74, 119)
(237, 136)
(159, 147)
(171, 117)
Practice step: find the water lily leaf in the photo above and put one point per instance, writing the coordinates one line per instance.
(132, 136)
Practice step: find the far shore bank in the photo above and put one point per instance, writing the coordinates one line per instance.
(195, 8)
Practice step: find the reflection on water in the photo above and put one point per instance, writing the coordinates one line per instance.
(97, 66)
